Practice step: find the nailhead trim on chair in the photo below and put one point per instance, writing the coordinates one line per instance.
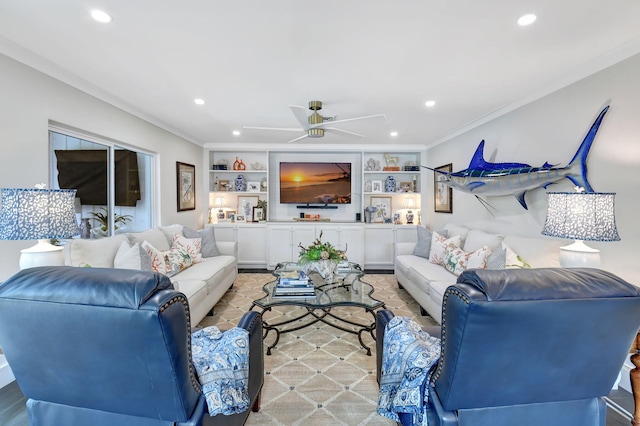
(443, 336)
(192, 373)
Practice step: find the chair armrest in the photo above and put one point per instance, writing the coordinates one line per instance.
(228, 248)
(252, 322)
(383, 317)
(405, 248)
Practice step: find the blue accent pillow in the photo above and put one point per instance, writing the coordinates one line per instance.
(423, 246)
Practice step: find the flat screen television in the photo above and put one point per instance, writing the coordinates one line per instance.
(315, 183)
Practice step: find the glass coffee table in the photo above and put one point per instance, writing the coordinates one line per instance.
(346, 290)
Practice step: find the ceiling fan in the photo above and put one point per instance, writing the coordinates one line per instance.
(315, 124)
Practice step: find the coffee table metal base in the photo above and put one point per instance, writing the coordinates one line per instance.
(318, 315)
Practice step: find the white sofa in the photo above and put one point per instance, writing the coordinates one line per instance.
(426, 282)
(203, 283)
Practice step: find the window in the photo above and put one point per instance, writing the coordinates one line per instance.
(113, 182)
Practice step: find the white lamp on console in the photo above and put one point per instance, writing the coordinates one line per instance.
(38, 214)
(582, 216)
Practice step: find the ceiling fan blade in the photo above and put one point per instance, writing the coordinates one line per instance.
(349, 119)
(288, 129)
(297, 139)
(344, 131)
(301, 115)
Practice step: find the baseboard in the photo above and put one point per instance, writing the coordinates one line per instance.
(6, 375)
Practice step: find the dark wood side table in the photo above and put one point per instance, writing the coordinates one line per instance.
(635, 379)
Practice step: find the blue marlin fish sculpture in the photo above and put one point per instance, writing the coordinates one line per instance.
(485, 178)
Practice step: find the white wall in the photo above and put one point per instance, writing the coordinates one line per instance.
(551, 129)
(30, 99)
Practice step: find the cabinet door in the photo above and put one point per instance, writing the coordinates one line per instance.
(304, 235)
(352, 238)
(280, 246)
(406, 234)
(378, 239)
(252, 246)
(224, 232)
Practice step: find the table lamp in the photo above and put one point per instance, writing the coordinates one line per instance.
(581, 216)
(220, 203)
(38, 214)
(409, 204)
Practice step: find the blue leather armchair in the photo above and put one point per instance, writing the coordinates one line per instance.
(92, 346)
(529, 347)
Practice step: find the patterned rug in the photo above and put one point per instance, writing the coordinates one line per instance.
(317, 375)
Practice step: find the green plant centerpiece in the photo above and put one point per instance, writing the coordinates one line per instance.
(103, 219)
(320, 257)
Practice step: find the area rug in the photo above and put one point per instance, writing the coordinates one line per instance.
(317, 375)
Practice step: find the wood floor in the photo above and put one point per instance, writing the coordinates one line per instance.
(13, 411)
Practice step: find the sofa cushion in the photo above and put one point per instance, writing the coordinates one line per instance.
(477, 238)
(208, 270)
(423, 245)
(537, 252)
(132, 257)
(98, 253)
(208, 237)
(168, 262)
(170, 230)
(453, 229)
(439, 245)
(195, 290)
(153, 236)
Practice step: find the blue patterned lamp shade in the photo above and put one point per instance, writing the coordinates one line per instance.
(32, 214)
(582, 216)
(587, 216)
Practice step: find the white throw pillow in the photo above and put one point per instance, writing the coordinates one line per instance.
(191, 245)
(158, 262)
(132, 257)
(457, 260)
(98, 253)
(477, 238)
(512, 260)
(439, 246)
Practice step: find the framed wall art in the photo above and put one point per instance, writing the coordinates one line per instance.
(376, 186)
(246, 203)
(186, 181)
(384, 210)
(442, 193)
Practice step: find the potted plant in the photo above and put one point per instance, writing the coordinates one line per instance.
(321, 257)
(103, 219)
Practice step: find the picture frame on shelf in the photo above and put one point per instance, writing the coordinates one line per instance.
(223, 185)
(442, 193)
(376, 186)
(384, 208)
(186, 186)
(241, 218)
(231, 215)
(246, 203)
(405, 187)
(253, 186)
(258, 214)
(396, 219)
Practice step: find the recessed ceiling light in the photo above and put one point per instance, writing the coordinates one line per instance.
(236, 133)
(393, 134)
(430, 103)
(525, 20)
(199, 101)
(100, 16)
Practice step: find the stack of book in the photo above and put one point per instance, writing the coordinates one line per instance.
(294, 287)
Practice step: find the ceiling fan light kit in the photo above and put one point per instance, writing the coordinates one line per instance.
(313, 125)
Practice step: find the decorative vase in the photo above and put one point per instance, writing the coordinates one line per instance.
(241, 184)
(85, 228)
(390, 184)
(324, 268)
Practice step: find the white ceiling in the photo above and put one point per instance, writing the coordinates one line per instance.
(251, 59)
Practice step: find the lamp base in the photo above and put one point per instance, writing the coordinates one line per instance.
(42, 254)
(579, 255)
